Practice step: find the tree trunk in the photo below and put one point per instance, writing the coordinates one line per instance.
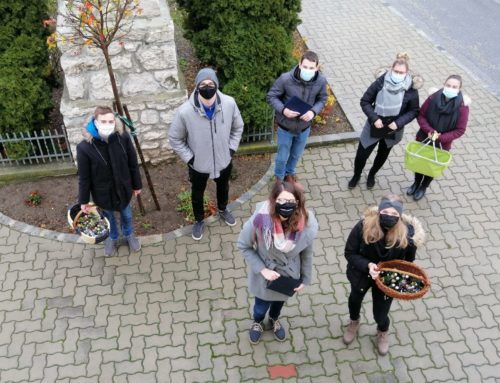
(111, 73)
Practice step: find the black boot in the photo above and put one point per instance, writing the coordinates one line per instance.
(419, 193)
(412, 189)
(418, 181)
(354, 181)
(370, 181)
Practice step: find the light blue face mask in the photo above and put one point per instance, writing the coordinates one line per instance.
(397, 78)
(307, 74)
(450, 92)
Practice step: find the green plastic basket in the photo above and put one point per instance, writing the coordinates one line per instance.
(424, 158)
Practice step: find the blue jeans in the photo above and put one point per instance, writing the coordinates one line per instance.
(261, 306)
(290, 149)
(125, 221)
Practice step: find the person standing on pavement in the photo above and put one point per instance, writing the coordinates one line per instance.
(108, 170)
(443, 117)
(309, 85)
(390, 103)
(384, 234)
(205, 133)
(277, 242)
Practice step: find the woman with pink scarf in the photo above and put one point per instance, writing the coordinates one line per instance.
(277, 243)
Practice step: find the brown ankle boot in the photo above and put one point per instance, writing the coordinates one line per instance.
(383, 342)
(290, 178)
(351, 332)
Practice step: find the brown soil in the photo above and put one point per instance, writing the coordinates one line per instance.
(60, 193)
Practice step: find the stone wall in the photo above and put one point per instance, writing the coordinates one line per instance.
(145, 65)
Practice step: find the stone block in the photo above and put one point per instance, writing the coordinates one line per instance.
(139, 83)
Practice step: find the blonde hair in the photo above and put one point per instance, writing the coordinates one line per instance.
(372, 231)
(402, 58)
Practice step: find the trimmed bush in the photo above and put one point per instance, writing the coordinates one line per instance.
(25, 96)
(248, 42)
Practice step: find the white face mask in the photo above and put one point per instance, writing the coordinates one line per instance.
(105, 129)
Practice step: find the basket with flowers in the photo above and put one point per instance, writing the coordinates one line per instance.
(402, 280)
(92, 227)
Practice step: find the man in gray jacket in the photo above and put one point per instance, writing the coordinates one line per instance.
(308, 85)
(205, 133)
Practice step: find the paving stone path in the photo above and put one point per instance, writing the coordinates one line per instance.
(179, 311)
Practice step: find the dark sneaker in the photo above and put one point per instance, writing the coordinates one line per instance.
(198, 230)
(133, 243)
(110, 246)
(227, 217)
(353, 182)
(256, 332)
(278, 330)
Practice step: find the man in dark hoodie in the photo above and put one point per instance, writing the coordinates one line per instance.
(205, 133)
(307, 84)
(108, 169)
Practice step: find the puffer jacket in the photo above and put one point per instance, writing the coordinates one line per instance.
(192, 135)
(359, 254)
(290, 84)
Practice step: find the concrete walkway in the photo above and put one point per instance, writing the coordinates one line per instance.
(180, 312)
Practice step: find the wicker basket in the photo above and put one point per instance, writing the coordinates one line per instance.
(406, 268)
(74, 214)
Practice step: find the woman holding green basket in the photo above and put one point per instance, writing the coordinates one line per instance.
(443, 118)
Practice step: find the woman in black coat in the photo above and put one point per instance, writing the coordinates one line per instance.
(108, 170)
(390, 103)
(384, 234)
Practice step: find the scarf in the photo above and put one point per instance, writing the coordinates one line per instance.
(390, 97)
(443, 115)
(272, 233)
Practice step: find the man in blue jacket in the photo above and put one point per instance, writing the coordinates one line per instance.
(308, 85)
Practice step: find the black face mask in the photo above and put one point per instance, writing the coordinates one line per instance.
(207, 92)
(286, 209)
(388, 221)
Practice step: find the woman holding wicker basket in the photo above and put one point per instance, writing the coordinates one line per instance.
(384, 234)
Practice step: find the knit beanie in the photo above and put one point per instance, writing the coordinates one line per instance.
(206, 74)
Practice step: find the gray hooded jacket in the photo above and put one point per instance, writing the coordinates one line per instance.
(290, 84)
(210, 142)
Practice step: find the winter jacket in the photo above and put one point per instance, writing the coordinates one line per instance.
(107, 171)
(296, 264)
(209, 143)
(447, 138)
(359, 254)
(409, 110)
(290, 84)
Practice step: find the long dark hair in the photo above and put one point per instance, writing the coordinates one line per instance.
(291, 187)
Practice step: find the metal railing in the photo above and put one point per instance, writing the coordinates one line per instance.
(36, 147)
(265, 133)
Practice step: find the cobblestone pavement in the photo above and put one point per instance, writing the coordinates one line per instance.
(179, 311)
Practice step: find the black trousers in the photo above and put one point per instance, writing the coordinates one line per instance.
(363, 154)
(381, 306)
(422, 180)
(199, 184)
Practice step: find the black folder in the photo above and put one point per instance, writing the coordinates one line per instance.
(380, 133)
(284, 285)
(297, 105)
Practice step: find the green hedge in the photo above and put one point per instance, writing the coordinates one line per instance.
(248, 42)
(25, 73)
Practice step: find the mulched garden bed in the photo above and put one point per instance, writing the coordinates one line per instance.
(60, 193)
